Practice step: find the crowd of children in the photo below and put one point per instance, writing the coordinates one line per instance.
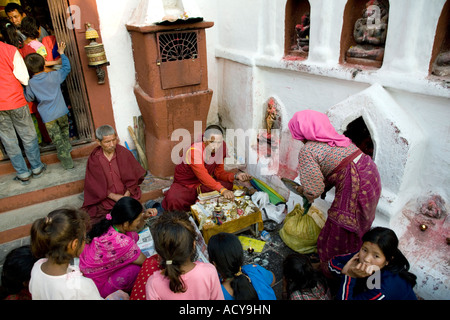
(33, 67)
(111, 265)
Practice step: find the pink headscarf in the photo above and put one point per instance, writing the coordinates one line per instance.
(315, 126)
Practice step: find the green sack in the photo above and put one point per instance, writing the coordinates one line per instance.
(300, 231)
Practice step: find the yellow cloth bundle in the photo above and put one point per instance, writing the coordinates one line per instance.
(300, 231)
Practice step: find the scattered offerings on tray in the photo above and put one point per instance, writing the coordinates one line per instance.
(220, 210)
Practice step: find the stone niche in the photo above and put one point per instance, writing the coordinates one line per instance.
(358, 132)
(364, 32)
(297, 22)
(440, 57)
(269, 157)
(396, 141)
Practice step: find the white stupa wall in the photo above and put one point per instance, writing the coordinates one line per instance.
(251, 68)
(405, 109)
(399, 142)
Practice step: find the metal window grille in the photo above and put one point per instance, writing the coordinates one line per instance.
(175, 46)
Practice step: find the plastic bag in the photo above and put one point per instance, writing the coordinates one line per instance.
(300, 231)
(269, 211)
(274, 197)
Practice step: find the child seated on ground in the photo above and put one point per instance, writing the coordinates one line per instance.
(56, 240)
(239, 282)
(16, 274)
(301, 281)
(181, 278)
(45, 88)
(112, 257)
(379, 271)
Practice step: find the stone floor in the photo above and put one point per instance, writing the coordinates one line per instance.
(152, 182)
(272, 255)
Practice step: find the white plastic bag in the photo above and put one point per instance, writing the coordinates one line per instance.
(269, 211)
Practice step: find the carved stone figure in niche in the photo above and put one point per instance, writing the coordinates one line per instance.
(271, 115)
(302, 31)
(441, 66)
(273, 121)
(370, 33)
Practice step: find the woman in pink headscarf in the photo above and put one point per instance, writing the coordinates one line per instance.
(329, 159)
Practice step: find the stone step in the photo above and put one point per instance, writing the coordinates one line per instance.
(49, 157)
(55, 182)
(16, 224)
(21, 204)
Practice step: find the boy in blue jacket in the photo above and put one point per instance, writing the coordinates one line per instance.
(45, 88)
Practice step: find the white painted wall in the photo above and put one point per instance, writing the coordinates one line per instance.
(113, 14)
(248, 77)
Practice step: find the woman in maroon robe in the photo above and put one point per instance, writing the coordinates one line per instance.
(111, 173)
(202, 170)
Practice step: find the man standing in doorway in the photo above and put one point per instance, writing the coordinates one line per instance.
(15, 115)
(15, 14)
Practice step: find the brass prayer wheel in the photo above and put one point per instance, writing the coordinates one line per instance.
(96, 54)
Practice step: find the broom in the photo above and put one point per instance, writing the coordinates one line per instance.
(141, 153)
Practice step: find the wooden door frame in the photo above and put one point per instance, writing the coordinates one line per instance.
(99, 95)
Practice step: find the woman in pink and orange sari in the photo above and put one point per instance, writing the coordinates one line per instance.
(112, 258)
(329, 159)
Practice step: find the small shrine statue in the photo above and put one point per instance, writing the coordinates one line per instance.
(269, 137)
(441, 66)
(370, 33)
(271, 116)
(302, 31)
(173, 10)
